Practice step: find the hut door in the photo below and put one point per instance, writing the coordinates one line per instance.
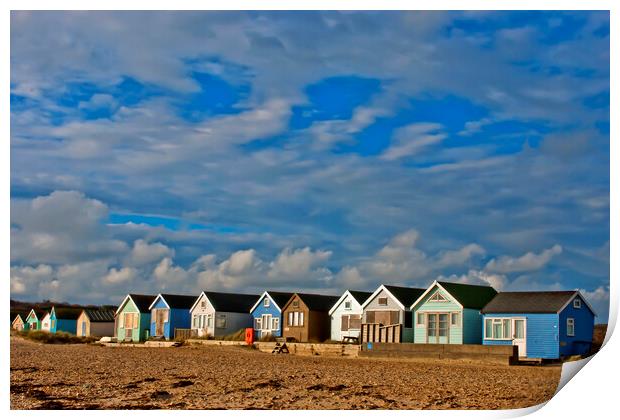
(160, 319)
(519, 336)
(437, 328)
(83, 328)
(266, 325)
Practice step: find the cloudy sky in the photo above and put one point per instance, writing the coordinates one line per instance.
(308, 151)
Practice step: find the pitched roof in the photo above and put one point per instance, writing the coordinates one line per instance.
(40, 313)
(67, 312)
(142, 301)
(100, 315)
(405, 295)
(22, 315)
(231, 302)
(527, 302)
(360, 296)
(179, 301)
(469, 295)
(280, 298)
(321, 303)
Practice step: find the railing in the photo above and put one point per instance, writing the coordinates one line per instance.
(379, 333)
(184, 333)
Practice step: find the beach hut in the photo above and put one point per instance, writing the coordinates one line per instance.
(217, 314)
(133, 318)
(544, 325)
(169, 312)
(94, 322)
(306, 317)
(267, 314)
(34, 319)
(449, 313)
(388, 315)
(19, 321)
(346, 315)
(61, 318)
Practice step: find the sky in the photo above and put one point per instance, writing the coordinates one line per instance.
(308, 151)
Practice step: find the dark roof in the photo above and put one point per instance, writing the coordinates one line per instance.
(527, 302)
(142, 301)
(100, 315)
(179, 301)
(320, 303)
(67, 312)
(231, 302)
(280, 298)
(405, 295)
(470, 295)
(361, 297)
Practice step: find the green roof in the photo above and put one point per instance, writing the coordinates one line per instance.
(469, 295)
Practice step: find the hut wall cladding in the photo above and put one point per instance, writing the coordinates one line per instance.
(298, 332)
(83, 326)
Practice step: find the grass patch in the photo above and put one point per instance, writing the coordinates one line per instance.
(57, 338)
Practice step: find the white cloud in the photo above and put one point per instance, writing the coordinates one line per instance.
(123, 275)
(295, 264)
(527, 262)
(144, 253)
(412, 139)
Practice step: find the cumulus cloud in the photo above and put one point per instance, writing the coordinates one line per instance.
(144, 253)
(123, 275)
(413, 139)
(527, 262)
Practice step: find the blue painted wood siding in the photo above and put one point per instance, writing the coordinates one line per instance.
(472, 326)
(584, 328)
(542, 334)
(179, 318)
(261, 310)
(66, 325)
(159, 304)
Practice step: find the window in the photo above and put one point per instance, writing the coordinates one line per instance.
(347, 305)
(420, 318)
(209, 321)
(296, 318)
(258, 323)
(577, 303)
(203, 304)
(570, 327)
(195, 320)
(301, 319)
(408, 319)
(382, 301)
(220, 321)
(438, 297)
(355, 322)
(454, 319)
(344, 323)
(290, 319)
(266, 302)
(275, 323)
(295, 304)
(497, 329)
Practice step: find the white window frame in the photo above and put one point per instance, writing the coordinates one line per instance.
(347, 305)
(417, 319)
(570, 324)
(437, 297)
(501, 321)
(458, 319)
(296, 319)
(290, 319)
(209, 320)
(380, 299)
(222, 321)
(577, 303)
(258, 323)
(266, 302)
(275, 323)
(301, 319)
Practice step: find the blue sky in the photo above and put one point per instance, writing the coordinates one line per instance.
(308, 150)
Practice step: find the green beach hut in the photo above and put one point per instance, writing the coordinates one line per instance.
(133, 318)
(449, 313)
